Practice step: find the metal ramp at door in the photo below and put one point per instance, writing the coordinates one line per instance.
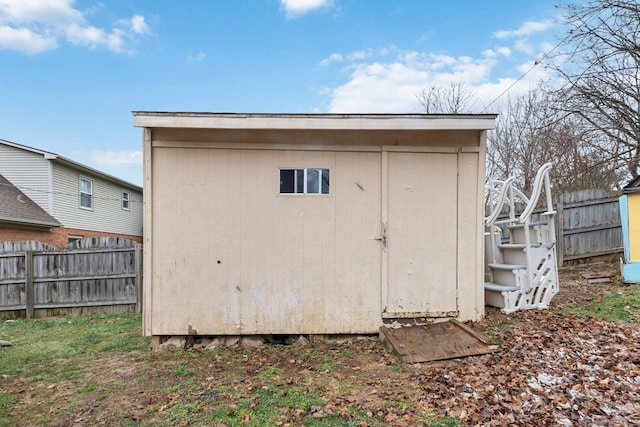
(439, 341)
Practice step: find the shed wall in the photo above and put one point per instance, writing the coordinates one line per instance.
(226, 254)
(233, 256)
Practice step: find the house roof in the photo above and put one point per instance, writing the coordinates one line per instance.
(17, 208)
(633, 186)
(409, 122)
(73, 164)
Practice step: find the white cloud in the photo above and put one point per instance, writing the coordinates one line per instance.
(391, 87)
(357, 56)
(334, 57)
(497, 52)
(297, 8)
(525, 30)
(124, 159)
(25, 40)
(138, 25)
(361, 54)
(47, 12)
(34, 26)
(377, 84)
(524, 45)
(196, 58)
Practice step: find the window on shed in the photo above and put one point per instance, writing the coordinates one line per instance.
(304, 181)
(86, 193)
(125, 200)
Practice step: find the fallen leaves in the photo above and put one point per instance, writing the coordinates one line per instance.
(552, 370)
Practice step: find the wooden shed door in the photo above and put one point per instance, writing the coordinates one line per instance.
(420, 206)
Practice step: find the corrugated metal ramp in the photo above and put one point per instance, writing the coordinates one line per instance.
(439, 341)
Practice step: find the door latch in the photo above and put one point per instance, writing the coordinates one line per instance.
(383, 237)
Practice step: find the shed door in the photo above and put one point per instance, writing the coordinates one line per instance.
(420, 203)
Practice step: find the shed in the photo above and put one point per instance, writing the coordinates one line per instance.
(630, 219)
(262, 224)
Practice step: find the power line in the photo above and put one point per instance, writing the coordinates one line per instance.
(537, 62)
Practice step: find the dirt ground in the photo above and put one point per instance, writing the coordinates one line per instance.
(552, 368)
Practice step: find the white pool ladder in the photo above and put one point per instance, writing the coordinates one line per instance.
(523, 272)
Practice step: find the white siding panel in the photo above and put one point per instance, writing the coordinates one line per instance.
(233, 256)
(28, 171)
(107, 214)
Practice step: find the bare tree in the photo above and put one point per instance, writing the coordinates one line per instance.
(456, 98)
(602, 75)
(531, 133)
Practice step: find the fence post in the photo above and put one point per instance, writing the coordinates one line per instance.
(138, 261)
(28, 282)
(560, 233)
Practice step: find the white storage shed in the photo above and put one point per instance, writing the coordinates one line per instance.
(310, 223)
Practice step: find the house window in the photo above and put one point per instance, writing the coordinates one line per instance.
(86, 193)
(125, 200)
(304, 181)
(71, 238)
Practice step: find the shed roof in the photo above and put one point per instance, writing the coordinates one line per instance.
(17, 208)
(632, 186)
(410, 122)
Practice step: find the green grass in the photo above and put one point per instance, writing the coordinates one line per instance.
(182, 371)
(269, 372)
(50, 350)
(266, 406)
(620, 306)
(6, 399)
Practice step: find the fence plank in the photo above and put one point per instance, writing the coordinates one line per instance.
(560, 232)
(28, 274)
(138, 278)
(89, 273)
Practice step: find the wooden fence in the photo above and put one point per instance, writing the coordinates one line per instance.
(587, 225)
(90, 275)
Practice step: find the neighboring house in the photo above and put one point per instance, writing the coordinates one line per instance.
(21, 218)
(84, 201)
(311, 223)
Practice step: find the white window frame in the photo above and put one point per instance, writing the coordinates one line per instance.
(305, 175)
(126, 200)
(91, 195)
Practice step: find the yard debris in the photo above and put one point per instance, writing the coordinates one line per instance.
(598, 277)
(252, 341)
(438, 341)
(553, 370)
(215, 343)
(172, 344)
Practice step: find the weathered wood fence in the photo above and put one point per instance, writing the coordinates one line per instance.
(587, 224)
(90, 275)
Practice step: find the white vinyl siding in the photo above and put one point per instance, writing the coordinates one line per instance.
(30, 172)
(107, 214)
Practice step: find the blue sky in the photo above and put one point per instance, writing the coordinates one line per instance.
(71, 71)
